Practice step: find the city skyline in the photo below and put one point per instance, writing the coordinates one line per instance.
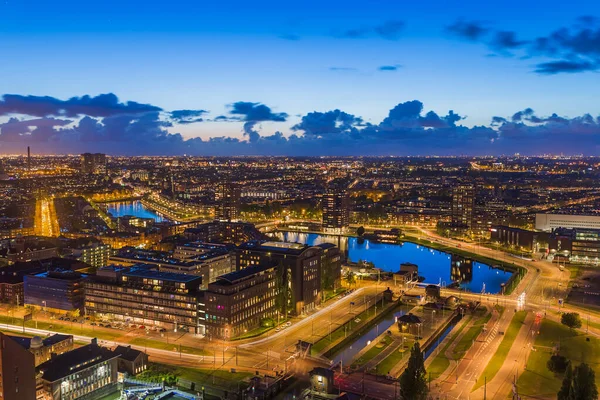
(320, 79)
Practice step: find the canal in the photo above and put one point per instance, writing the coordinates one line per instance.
(434, 265)
(134, 208)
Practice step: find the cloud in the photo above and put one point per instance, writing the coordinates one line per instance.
(505, 41)
(253, 113)
(103, 105)
(469, 30)
(407, 129)
(565, 66)
(572, 49)
(342, 69)
(187, 116)
(389, 30)
(330, 122)
(389, 67)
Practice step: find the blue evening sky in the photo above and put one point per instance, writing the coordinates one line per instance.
(293, 56)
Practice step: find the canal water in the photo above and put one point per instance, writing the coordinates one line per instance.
(434, 265)
(347, 354)
(135, 208)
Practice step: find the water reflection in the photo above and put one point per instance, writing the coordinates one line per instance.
(135, 208)
(435, 266)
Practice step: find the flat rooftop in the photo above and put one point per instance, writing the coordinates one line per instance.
(165, 276)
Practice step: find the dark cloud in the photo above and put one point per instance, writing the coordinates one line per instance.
(573, 49)
(389, 67)
(470, 30)
(408, 129)
(390, 30)
(565, 66)
(187, 116)
(330, 122)
(505, 41)
(103, 105)
(255, 112)
(342, 69)
(252, 114)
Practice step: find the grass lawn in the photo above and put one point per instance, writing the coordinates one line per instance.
(537, 379)
(64, 327)
(441, 363)
(210, 377)
(465, 342)
(157, 344)
(373, 351)
(385, 366)
(341, 332)
(222, 377)
(500, 355)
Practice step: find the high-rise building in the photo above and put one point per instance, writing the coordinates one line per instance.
(227, 196)
(28, 158)
(93, 163)
(463, 205)
(336, 214)
(299, 269)
(17, 371)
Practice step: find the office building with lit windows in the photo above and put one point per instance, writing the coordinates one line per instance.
(88, 372)
(93, 163)
(227, 196)
(463, 206)
(299, 269)
(142, 295)
(336, 212)
(239, 301)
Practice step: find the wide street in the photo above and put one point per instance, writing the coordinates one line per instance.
(538, 291)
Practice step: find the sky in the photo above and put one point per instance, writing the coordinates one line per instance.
(378, 77)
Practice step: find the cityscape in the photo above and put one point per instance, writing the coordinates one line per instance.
(314, 201)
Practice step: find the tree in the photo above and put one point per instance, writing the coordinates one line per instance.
(350, 278)
(557, 364)
(360, 231)
(563, 393)
(579, 384)
(571, 320)
(413, 384)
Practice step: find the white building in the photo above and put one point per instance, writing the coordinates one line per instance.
(548, 222)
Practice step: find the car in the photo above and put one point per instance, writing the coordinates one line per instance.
(101, 325)
(277, 329)
(142, 327)
(162, 330)
(107, 326)
(62, 318)
(93, 324)
(288, 323)
(67, 319)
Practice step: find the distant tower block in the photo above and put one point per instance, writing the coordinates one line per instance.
(28, 159)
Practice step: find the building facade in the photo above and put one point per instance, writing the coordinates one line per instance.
(299, 270)
(148, 297)
(86, 373)
(548, 222)
(239, 301)
(93, 163)
(463, 206)
(60, 290)
(336, 211)
(17, 371)
(227, 195)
